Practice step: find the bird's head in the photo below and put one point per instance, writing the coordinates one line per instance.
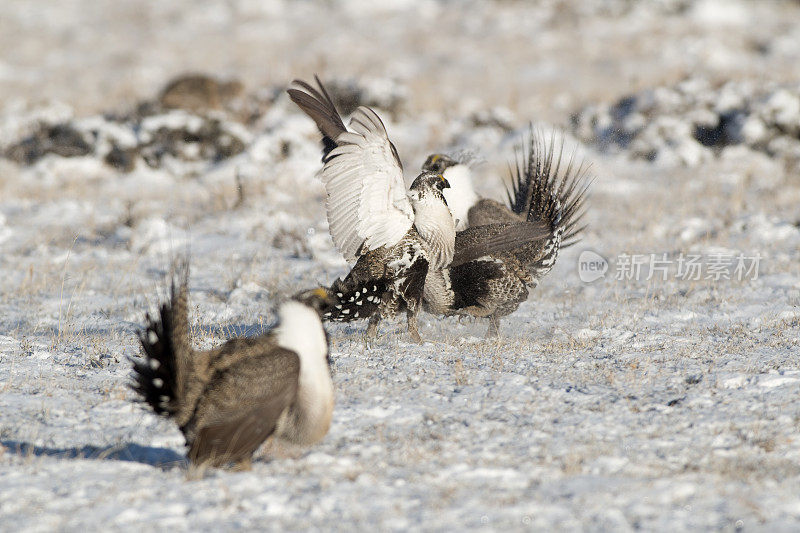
(430, 181)
(320, 299)
(438, 163)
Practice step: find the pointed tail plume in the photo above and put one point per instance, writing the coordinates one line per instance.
(356, 298)
(160, 377)
(544, 188)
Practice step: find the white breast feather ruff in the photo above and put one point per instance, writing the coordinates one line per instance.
(434, 222)
(460, 196)
(366, 193)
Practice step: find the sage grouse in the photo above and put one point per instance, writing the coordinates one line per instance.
(394, 236)
(494, 284)
(227, 401)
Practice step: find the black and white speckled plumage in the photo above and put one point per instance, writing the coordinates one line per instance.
(543, 195)
(382, 283)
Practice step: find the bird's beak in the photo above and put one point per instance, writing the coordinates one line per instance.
(320, 299)
(323, 294)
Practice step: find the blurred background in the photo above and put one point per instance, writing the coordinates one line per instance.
(541, 58)
(669, 79)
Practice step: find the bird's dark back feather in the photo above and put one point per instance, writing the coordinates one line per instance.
(470, 282)
(478, 241)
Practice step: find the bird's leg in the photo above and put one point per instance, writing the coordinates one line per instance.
(494, 327)
(372, 328)
(413, 327)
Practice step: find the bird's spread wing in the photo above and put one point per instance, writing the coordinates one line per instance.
(479, 241)
(367, 202)
(243, 404)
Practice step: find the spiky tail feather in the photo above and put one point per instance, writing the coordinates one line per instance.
(160, 376)
(355, 299)
(542, 190)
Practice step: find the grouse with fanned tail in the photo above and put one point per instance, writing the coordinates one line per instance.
(493, 285)
(227, 401)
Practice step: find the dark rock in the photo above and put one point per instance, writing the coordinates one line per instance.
(59, 139)
(123, 160)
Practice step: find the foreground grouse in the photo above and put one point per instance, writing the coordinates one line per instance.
(544, 191)
(227, 401)
(395, 236)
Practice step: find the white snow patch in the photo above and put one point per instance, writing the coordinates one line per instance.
(381, 412)
(773, 381)
(156, 236)
(735, 382)
(587, 334)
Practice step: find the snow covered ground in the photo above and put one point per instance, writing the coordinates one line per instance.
(666, 403)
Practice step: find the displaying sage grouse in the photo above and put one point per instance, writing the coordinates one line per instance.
(395, 236)
(227, 401)
(493, 284)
